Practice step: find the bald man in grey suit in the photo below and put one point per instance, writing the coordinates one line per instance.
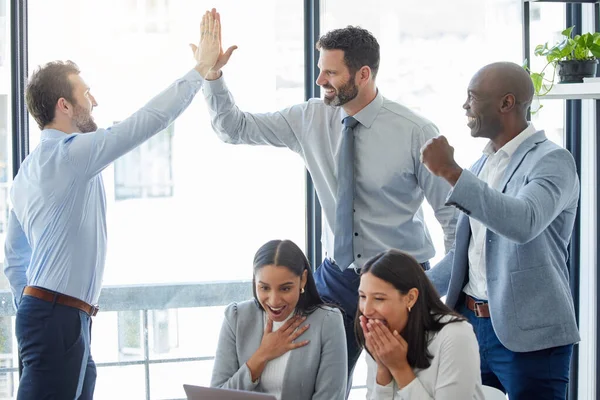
(507, 272)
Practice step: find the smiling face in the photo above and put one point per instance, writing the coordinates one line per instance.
(483, 107)
(380, 300)
(278, 290)
(335, 78)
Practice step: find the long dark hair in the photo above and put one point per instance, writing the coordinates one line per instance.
(404, 273)
(285, 253)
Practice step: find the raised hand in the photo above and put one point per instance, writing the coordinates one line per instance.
(391, 348)
(384, 376)
(275, 344)
(209, 52)
(369, 340)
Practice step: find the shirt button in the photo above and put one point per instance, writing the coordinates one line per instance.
(358, 256)
(355, 233)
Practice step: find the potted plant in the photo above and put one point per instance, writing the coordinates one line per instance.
(574, 58)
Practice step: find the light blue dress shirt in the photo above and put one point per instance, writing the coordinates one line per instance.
(391, 182)
(57, 228)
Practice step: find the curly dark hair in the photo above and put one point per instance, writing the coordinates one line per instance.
(46, 85)
(359, 45)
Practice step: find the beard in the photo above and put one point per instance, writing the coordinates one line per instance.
(83, 120)
(343, 95)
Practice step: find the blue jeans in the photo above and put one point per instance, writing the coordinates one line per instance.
(542, 374)
(341, 288)
(54, 346)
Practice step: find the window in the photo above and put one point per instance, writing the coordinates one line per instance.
(7, 341)
(131, 337)
(146, 16)
(146, 171)
(163, 337)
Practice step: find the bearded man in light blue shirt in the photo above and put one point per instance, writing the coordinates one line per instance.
(56, 241)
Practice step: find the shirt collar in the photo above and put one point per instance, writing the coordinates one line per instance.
(367, 115)
(52, 134)
(512, 146)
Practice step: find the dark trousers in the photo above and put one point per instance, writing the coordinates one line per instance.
(341, 288)
(542, 374)
(54, 346)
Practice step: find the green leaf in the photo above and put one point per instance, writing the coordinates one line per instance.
(537, 79)
(567, 32)
(589, 40)
(580, 53)
(595, 50)
(540, 50)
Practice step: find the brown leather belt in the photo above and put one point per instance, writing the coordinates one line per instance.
(50, 296)
(480, 308)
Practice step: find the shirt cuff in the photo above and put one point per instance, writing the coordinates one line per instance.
(384, 391)
(414, 390)
(461, 184)
(194, 77)
(249, 382)
(215, 86)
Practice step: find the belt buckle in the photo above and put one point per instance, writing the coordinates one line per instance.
(476, 308)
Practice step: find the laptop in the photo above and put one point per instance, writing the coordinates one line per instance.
(205, 393)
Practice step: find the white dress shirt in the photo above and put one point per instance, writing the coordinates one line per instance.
(391, 181)
(491, 173)
(454, 373)
(274, 372)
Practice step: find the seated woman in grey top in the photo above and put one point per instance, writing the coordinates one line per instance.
(286, 341)
(418, 348)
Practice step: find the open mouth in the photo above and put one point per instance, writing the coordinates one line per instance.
(383, 321)
(276, 311)
(472, 121)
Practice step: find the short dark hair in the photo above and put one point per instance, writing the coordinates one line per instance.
(46, 85)
(285, 253)
(404, 273)
(359, 45)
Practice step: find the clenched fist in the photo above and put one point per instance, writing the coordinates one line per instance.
(438, 157)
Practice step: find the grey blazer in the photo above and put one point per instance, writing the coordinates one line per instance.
(529, 221)
(317, 371)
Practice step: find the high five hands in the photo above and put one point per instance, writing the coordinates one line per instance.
(209, 54)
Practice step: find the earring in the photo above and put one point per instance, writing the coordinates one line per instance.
(302, 291)
(409, 308)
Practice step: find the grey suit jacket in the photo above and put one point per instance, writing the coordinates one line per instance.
(317, 371)
(529, 221)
